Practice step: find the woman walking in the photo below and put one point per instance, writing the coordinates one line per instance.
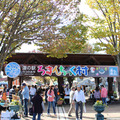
(51, 100)
(37, 105)
(97, 94)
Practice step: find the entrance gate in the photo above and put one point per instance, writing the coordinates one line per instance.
(85, 65)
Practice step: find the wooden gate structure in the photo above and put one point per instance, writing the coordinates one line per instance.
(29, 62)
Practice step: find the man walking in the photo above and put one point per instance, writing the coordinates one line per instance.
(25, 93)
(79, 99)
(72, 92)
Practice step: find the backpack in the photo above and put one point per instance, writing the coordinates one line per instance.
(97, 94)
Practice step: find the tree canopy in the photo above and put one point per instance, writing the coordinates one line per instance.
(87, 48)
(105, 26)
(71, 39)
(42, 21)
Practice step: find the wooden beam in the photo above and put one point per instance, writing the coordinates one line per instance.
(29, 58)
(95, 60)
(40, 61)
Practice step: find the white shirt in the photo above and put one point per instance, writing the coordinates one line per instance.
(79, 96)
(67, 92)
(32, 91)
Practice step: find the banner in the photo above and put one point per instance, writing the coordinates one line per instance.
(69, 70)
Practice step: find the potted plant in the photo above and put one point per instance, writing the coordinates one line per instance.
(60, 101)
(115, 94)
(99, 107)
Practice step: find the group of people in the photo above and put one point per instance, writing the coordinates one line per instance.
(52, 95)
(76, 99)
(100, 94)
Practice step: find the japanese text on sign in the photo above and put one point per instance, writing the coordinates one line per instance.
(49, 70)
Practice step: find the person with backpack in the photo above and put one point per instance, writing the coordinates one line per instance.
(97, 94)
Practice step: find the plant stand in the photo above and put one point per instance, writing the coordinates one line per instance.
(99, 117)
(15, 108)
(99, 109)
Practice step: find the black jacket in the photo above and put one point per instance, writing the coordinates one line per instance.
(37, 104)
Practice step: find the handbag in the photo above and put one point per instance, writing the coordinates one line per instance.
(31, 111)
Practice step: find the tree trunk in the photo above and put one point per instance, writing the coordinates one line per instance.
(70, 80)
(60, 82)
(118, 78)
(97, 81)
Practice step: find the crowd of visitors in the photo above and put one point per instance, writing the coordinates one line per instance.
(34, 95)
(100, 94)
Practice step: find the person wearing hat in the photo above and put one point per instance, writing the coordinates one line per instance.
(79, 99)
(25, 93)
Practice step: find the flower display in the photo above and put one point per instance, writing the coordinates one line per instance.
(61, 99)
(98, 103)
(15, 102)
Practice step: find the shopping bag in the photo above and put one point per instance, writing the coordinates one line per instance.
(31, 111)
(84, 108)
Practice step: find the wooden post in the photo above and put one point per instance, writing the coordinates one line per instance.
(97, 81)
(60, 82)
(110, 86)
(9, 82)
(20, 80)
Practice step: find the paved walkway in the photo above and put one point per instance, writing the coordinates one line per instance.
(112, 112)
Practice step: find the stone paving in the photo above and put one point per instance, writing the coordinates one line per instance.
(112, 112)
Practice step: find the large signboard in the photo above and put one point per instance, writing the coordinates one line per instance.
(69, 70)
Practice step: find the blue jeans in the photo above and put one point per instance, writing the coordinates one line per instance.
(25, 106)
(53, 105)
(34, 116)
(79, 106)
(104, 101)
